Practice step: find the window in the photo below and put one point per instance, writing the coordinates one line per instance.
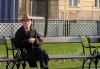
(74, 3)
(35, 8)
(38, 8)
(97, 3)
(21, 10)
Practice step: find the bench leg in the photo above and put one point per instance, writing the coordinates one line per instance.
(84, 63)
(90, 63)
(14, 63)
(18, 65)
(7, 65)
(10, 65)
(24, 65)
(96, 63)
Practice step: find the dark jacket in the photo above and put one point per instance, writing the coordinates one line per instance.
(21, 39)
(33, 55)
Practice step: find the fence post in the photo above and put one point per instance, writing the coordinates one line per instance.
(46, 20)
(98, 27)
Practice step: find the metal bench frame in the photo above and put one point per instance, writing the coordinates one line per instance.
(94, 49)
(66, 40)
(6, 58)
(71, 56)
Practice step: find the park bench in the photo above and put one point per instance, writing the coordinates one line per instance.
(70, 56)
(94, 48)
(11, 62)
(17, 61)
(5, 58)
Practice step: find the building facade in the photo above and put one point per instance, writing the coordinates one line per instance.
(8, 10)
(75, 9)
(57, 9)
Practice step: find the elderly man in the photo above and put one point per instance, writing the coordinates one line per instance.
(28, 38)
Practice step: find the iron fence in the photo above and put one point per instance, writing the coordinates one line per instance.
(62, 23)
(56, 28)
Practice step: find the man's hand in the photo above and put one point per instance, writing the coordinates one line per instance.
(31, 40)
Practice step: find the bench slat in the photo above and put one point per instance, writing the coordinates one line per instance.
(65, 56)
(7, 59)
(61, 39)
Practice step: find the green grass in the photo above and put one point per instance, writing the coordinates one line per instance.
(64, 49)
(59, 48)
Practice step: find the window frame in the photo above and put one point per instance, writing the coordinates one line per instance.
(73, 4)
(97, 3)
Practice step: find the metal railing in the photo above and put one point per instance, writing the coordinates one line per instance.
(56, 28)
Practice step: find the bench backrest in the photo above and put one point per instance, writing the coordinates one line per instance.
(63, 40)
(93, 43)
(4, 43)
(93, 39)
(14, 50)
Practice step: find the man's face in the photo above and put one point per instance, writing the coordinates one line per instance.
(26, 23)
